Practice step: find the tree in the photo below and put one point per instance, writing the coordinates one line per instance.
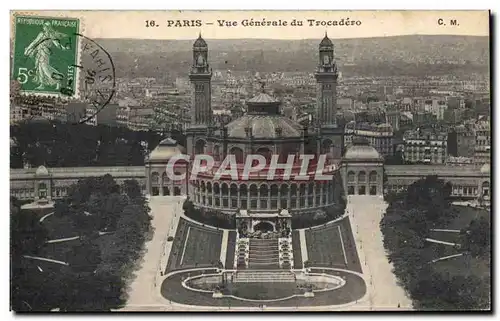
(476, 238)
(99, 265)
(57, 144)
(132, 189)
(27, 237)
(27, 234)
(85, 256)
(405, 226)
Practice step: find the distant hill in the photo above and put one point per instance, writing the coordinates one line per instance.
(157, 57)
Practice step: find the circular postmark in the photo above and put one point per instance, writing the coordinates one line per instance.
(97, 83)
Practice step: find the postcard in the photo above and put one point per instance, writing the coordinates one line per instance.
(250, 161)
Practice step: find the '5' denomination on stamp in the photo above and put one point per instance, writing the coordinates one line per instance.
(45, 55)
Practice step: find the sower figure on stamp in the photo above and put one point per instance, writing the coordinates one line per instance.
(40, 50)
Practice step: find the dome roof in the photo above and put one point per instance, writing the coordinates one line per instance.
(264, 126)
(41, 171)
(361, 150)
(200, 42)
(485, 168)
(326, 42)
(165, 150)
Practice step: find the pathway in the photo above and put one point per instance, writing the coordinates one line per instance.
(365, 214)
(303, 245)
(223, 249)
(444, 230)
(165, 212)
(441, 242)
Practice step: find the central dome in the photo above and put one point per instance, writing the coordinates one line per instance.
(264, 120)
(264, 126)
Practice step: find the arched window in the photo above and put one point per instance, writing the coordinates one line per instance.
(266, 152)
(216, 188)
(486, 189)
(274, 190)
(199, 147)
(238, 154)
(164, 179)
(326, 147)
(243, 190)
(302, 194)
(155, 178)
(293, 190)
(263, 190)
(310, 188)
(284, 190)
(216, 153)
(350, 177)
(224, 189)
(362, 176)
(253, 190)
(373, 177)
(42, 190)
(234, 190)
(202, 186)
(209, 187)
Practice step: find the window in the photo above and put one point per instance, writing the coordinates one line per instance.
(361, 176)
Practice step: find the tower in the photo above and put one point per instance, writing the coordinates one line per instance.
(330, 135)
(326, 79)
(200, 76)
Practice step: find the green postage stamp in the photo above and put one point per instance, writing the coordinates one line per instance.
(46, 55)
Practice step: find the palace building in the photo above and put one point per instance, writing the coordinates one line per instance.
(266, 131)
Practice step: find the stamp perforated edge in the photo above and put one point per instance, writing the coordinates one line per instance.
(60, 15)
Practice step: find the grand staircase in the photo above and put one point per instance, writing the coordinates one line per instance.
(263, 254)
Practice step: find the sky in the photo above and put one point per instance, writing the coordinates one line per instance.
(132, 24)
